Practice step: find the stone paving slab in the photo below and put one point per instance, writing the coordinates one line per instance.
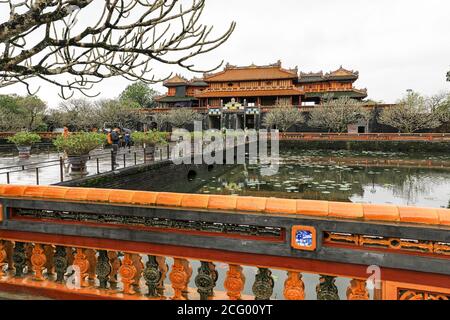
(50, 173)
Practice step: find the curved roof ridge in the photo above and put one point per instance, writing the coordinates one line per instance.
(252, 72)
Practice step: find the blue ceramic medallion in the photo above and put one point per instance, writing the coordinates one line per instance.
(304, 238)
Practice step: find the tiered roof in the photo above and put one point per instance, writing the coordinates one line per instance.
(339, 74)
(252, 72)
(269, 72)
(178, 80)
(311, 77)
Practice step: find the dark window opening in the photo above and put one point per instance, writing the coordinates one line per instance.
(192, 175)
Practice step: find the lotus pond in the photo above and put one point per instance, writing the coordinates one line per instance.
(365, 177)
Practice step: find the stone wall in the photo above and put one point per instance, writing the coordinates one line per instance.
(162, 177)
(386, 146)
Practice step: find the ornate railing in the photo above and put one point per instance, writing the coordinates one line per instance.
(57, 170)
(114, 244)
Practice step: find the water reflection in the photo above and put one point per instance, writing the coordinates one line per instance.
(340, 176)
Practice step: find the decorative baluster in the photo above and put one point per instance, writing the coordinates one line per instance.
(137, 262)
(179, 277)
(92, 258)
(234, 282)
(115, 265)
(215, 276)
(357, 290)
(49, 252)
(82, 263)
(38, 261)
(3, 258)
(264, 283)
(152, 276)
(19, 258)
(326, 289)
(9, 248)
(294, 288)
(164, 268)
(205, 281)
(28, 254)
(103, 269)
(70, 257)
(189, 271)
(127, 273)
(60, 262)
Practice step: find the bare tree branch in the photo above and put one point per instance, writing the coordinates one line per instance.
(48, 38)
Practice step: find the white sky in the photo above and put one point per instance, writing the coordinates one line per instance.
(395, 44)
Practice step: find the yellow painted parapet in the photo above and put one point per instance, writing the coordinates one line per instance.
(325, 209)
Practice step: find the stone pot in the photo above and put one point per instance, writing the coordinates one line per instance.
(24, 152)
(78, 165)
(149, 153)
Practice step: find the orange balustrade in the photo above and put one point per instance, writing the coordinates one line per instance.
(40, 262)
(339, 210)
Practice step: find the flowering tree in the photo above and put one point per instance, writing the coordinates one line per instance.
(161, 119)
(283, 118)
(337, 114)
(90, 40)
(411, 114)
(181, 117)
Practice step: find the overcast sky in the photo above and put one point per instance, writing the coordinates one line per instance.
(395, 44)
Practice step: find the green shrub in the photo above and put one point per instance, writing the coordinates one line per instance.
(149, 138)
(24, 139)
(79, 144)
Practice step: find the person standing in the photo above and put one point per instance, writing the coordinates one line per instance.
(127, 140)
(65, 155)
(115, 140)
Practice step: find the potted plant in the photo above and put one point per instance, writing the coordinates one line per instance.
(77, 146)
(149, 140)
(24, 141)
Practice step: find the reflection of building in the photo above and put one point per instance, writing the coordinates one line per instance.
(238, 97)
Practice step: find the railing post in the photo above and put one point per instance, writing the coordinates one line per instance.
(112, 160)
(326, 289)
(7, 178)
(124, 160)
(135, 158)
(61, 169)
(37, 176)
(98, 166)
(145, 156)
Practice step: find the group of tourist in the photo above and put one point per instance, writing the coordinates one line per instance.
(119, 138)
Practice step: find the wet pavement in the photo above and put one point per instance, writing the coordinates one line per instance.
(49, 166)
